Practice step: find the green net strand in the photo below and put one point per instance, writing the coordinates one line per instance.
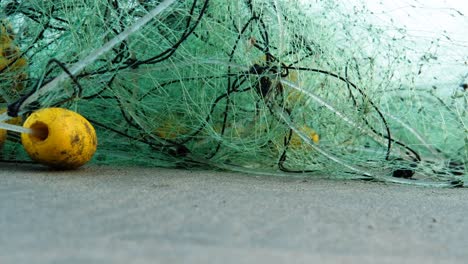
(312, 89)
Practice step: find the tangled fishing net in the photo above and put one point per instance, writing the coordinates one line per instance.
(310, 88)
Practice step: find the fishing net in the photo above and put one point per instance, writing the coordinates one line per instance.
(310, 88)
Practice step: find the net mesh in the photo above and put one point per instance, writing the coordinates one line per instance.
(353, 91)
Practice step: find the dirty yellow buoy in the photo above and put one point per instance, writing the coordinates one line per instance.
(60, 138)
(3, 136)
(13, 121)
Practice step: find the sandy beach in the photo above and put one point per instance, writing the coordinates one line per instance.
(152, 215)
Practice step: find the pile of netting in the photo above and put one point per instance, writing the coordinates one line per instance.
(275, 87)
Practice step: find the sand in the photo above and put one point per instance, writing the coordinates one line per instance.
(152, 215)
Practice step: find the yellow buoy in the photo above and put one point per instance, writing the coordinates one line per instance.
(297, 142)
(3, 136)
(12, 66)
(60, 138)
(13, 121)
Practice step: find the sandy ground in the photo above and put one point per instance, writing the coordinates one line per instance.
(136, 215)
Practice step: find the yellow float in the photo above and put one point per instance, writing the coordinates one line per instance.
(59, 138)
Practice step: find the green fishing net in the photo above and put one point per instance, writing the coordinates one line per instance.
(276, 87)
